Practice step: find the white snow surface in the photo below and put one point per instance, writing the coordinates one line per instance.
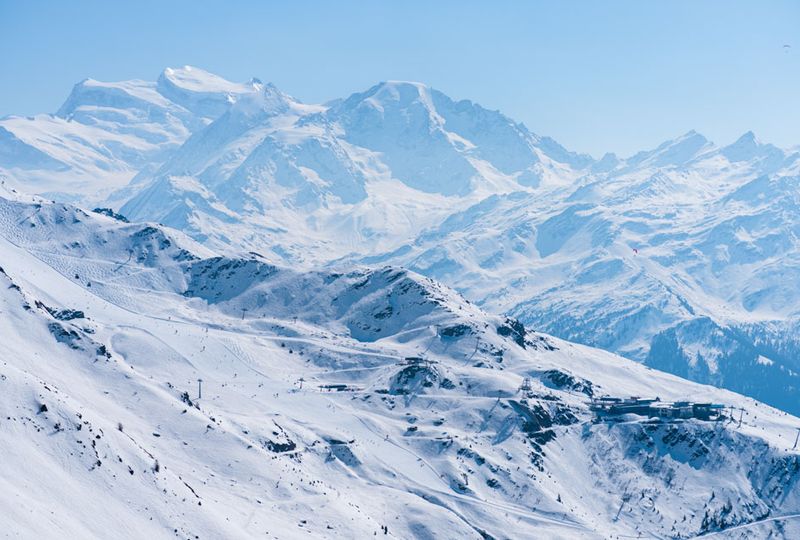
(106, 133)
(107, 327)
(683, 257)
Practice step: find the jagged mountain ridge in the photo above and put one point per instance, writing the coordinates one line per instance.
(687, 239)
(366, 170)
(311, 425)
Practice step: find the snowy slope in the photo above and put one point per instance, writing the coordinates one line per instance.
(311, 424)
(690, 267)
(402, 174)
(683, 256)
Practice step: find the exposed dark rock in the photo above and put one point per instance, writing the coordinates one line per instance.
(64, 335)
(61, 314)
(513, 329)
(455, 331)
(555, 378)
(110, 213)
(412, 379)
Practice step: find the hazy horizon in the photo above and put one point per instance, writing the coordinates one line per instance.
(655, 71)
(613, 77)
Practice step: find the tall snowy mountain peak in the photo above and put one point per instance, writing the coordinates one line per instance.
(748, 148)
(675, 152)
(201, 92)
(193, 79)
(105, 133)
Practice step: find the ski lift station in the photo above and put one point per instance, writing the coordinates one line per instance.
(417, 361)
(607, 406)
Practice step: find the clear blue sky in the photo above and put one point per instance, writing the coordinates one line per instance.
(597, 76)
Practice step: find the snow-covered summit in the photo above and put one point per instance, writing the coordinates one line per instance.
(107, 132)
(674, 152)
(749, 148)
(89, 93)
(193, 79)
(392, 94)
(201, 92)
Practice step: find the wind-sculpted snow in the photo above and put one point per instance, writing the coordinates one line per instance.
(347, 404)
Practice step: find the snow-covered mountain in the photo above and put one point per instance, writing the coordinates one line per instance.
(682, 257)
(353, 176)
(106, 133)
(314, 420)
(691, 267)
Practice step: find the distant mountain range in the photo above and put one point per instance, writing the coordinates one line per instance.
(683, 257)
